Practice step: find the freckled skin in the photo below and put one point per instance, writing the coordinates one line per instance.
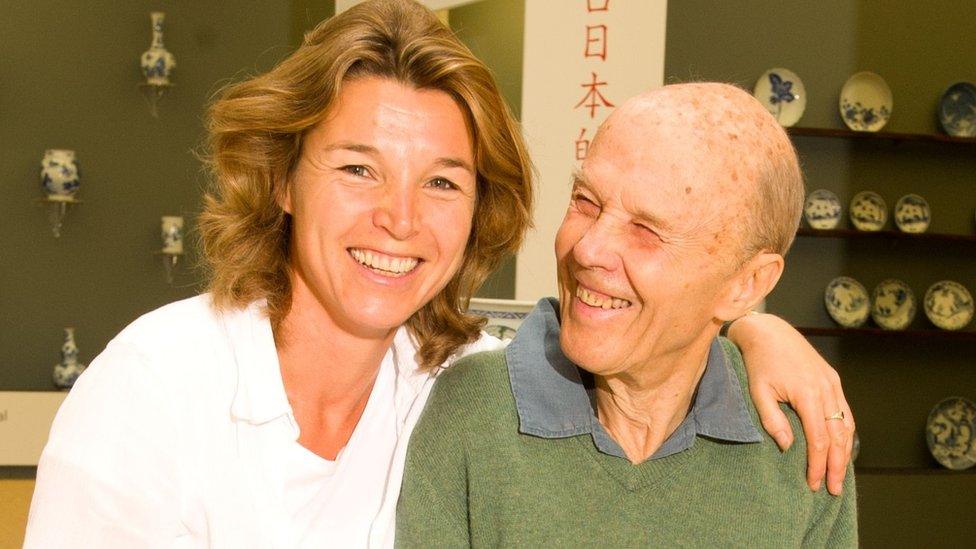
(689, 155)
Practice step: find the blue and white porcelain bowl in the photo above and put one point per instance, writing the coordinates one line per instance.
(847, 302)
(782, 93)
(912, 214)
(868, 211)
(893, 305)
(504, 315)
(822, 209)
(865, 102)
(949, 305)
(60, 175)
(950, 433)
(957, 110)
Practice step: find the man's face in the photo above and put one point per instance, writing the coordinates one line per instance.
(646, 249)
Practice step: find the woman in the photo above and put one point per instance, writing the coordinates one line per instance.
(364, 188)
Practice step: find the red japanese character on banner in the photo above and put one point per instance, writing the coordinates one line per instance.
(582, 145)
(593, 98)
(596, 41)
(597, 5)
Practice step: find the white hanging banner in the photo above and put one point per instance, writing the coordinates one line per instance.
(582, 57)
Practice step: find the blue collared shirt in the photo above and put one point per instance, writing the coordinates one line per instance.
(553, 401)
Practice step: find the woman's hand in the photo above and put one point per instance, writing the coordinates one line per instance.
(784, 367)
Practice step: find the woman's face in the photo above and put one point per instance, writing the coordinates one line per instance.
(381, 200)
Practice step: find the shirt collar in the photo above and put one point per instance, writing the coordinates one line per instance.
(260, 395)
(553, 401)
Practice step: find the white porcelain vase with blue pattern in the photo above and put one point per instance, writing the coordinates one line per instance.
(67, 371)
(60, 176)
(157, 63)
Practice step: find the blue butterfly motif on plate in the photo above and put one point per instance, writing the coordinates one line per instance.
(782, 89)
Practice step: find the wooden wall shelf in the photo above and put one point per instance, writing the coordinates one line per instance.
(886, 235)
(921, 334)
(901, 471)
(880, 136)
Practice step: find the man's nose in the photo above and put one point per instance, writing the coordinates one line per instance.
(598, 247)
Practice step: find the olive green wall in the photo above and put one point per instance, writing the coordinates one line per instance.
(305, 14)
(905, 498)
(68, 76)
(493, 29)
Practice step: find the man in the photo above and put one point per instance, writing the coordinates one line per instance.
(617, 417)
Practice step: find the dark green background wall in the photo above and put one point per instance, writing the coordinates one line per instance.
(493, 29)
(906, 500)
(68, 76)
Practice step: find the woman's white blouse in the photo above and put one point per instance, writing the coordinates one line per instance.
(180, 435)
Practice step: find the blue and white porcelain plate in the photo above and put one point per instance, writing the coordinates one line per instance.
(847, 302)
(893, 305)
(957, 110)
(868, 211)
(951, 433)
(822, 209)
(949, 305)
(504, 315)
(865, 102)
(782, 93)
(912, 214)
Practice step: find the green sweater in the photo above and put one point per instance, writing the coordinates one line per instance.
(473, 480)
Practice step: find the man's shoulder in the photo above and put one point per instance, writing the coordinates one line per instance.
(474, 391)
(481, 373)
(736, 363)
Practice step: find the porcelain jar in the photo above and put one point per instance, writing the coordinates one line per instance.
(60, 176)
(172, 234)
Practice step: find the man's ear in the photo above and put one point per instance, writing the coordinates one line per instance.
(754, 280)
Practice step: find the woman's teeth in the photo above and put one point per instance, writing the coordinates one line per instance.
(384, 264)
(600, 301)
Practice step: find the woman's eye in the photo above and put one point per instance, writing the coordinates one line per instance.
(359, 171)
(441, 183)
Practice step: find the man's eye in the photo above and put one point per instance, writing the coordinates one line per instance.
(441, 183)
(359, 171)
(585, 205)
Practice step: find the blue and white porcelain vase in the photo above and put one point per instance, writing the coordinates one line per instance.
(60, 176)
(67, 371)
(157, 63)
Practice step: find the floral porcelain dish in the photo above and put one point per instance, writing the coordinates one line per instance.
(782, 93)
(865, 102)
(847, 302)
(951, 433)
(822, 209)
(949, 305)
(912, 214)
(868, 211)
(893, 305)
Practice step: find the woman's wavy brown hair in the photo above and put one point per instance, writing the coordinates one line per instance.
(256, 129)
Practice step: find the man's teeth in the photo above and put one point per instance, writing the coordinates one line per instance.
(599, 301)
(384, 264)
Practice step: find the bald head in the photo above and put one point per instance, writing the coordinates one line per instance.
(729, 139)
